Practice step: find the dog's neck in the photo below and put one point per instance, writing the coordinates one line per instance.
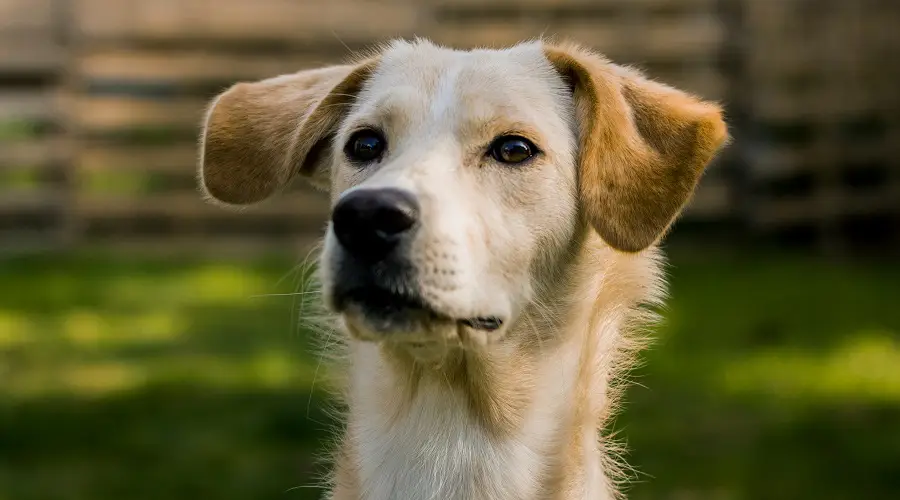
(517, 421)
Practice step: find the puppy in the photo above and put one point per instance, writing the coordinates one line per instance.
(492, 245)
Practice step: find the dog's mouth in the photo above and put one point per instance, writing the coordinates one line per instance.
(390, 312)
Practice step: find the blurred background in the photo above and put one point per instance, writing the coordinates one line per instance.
(151, 346)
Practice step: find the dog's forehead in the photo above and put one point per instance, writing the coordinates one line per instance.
(518, 74)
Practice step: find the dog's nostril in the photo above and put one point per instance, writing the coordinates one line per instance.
(393, 219)
(370, 223)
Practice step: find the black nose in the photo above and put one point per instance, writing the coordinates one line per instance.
(369, 223)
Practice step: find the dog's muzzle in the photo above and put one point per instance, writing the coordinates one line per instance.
(373, 278)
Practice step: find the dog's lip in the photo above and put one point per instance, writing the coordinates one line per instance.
(486, 323)
(379, 300)
(375, 300)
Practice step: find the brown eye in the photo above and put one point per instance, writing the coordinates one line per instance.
(512, 149)
(365, 146)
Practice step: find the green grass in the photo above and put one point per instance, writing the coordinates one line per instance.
(775, 378)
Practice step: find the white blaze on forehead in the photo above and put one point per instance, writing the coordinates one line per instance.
(446, 103)
(454, 85)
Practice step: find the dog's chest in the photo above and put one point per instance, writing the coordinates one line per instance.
(437, 450)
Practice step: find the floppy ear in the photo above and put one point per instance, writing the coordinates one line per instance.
(643, 146)
(257, 136)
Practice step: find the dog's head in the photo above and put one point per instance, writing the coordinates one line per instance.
(462, 179)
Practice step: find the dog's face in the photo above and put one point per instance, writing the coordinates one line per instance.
(460, 181)
(454, 186)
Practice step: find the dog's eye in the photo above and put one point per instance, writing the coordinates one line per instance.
(512, 149)
(365, 146)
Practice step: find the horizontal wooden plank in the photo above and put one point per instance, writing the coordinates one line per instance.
(22, 240)
(50, 241)
(705, 82)
(191, 245)
(190, 206)
(28, 15)
(30, 56)
(790, 211)
(29, 106)
(175, 159)
(783, 15)
(168, 159)
(97, 114)
(575, 4)
(698, 37)
(29, 201)
(188, 66)
(782, 59)
(829, 54)
(713, 199)
(785, 103)
(771, 163)
(35, 153)
(308, 20)
(197, 68)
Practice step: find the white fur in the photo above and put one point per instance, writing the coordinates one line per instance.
(433, 451)
(491, 238)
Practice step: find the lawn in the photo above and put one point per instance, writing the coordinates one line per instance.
(773, 377)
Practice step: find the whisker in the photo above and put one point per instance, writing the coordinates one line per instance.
(349, 50)
(312, 388)
(291, 294)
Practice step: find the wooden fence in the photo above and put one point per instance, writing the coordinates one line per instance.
(141, 77)
(822, 88)
(33, 155)
(100, 100)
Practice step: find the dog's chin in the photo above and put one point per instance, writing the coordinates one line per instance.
(415, 327)
(396, 324)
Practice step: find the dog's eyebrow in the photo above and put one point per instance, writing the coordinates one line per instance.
(487, 128)
(391, 111)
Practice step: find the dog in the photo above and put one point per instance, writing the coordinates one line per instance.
(491, 254)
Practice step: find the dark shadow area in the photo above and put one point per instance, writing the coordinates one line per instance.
(176, 441)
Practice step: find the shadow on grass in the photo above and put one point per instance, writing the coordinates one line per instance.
(174, 441)
(155, 379)
(772, 377)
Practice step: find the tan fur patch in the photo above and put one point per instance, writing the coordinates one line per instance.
(257, 136)
(644, 146)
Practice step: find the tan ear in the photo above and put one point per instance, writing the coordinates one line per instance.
(643, 146)
(257, 136)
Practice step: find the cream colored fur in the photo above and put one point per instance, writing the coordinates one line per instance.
(563, 248)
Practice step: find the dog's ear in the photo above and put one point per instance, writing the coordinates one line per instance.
(643, 146)
(258, 135)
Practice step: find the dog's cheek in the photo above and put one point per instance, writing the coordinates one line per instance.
(513, 231)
